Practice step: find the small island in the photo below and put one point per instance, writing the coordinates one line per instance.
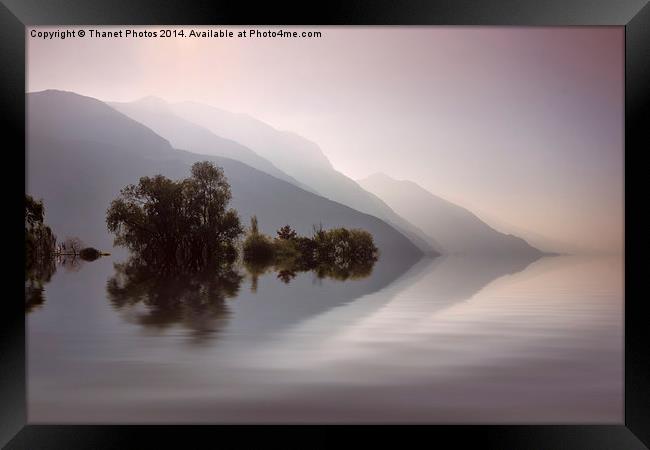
(42, 251)
(183, 233)
(187, 226)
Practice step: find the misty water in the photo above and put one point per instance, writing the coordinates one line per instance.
(444, 340)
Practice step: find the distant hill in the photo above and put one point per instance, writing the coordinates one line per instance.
(156, 114)
(301, 159)
(457, 230)
(81, 152)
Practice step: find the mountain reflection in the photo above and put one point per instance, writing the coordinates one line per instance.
(404, 311)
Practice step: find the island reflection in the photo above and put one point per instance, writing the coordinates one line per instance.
(37, 275)
(40, 272)
(287, 269)
(197, 300)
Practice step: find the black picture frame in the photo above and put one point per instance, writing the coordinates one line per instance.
(634, 15)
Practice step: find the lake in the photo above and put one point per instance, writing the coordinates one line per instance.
(444, 340)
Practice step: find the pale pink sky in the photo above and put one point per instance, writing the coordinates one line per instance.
(522, 125)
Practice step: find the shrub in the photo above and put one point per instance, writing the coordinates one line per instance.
(258, 247)
(89, 254)
(343, 247)
(286, 248)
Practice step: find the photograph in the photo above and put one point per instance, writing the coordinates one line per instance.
(324, 224)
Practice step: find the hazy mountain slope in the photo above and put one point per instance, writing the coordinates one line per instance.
(302, 160)
(456, 229)
(291, 152)
(546, 244)
(69, 116)
(155, 113)
(81, 152)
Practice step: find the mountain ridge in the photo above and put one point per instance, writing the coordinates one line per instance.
(458, 229)
(157, 114)
(301, 159)
(80, 154)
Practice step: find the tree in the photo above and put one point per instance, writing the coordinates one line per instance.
(71, 246)
(257, 247)
(287, 233)
(254, 226)
(40, 242)
(34, 211)
(182, 224)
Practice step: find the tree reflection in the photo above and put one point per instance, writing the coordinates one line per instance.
(37, 275)
(195, 301)
(70, 263)
(287, 269)
(39, 272)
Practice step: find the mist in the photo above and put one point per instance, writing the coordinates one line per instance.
(523, 126)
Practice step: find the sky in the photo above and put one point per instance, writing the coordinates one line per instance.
(524, 126)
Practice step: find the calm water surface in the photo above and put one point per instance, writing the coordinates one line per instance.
(442, 340)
